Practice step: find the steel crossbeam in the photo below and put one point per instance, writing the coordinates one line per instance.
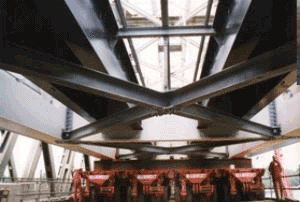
(233, 21)
(125, 117)
(32, 63)
(258, 69)
(228, 121)
(165, 31)
(144, 148)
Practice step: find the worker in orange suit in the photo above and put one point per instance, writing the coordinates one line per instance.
(275, 169)
(77, 195)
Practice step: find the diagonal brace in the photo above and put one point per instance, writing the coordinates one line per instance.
(198, 112)
(125, 117)
(30, 62)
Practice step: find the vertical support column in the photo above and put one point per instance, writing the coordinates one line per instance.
(65, 170)
(165, 24)
(167, 79)
(87, 162)
(6, 148)
(130, 42)
(32, 162)
(12, 168)
(207, 16)
(49, 166)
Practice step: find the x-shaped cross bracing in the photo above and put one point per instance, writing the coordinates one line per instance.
(150, 103)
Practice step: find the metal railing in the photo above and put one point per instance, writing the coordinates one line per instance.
(38, 188)
(288, 188)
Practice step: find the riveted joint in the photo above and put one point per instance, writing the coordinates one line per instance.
(65, 135)
(165, 111)
(276, 131)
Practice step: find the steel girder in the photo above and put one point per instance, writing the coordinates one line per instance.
(26, 61)
(194, 153)
(49, 165)
(31, 63)
(6, 149)
(166, 45)
(258, 69)
(165, 31)
(200, 52)
(233, 19)
(263, 67)
(130, 42)
(87, 162)
(12, 168)
(146, 148)
(287, 139)
(66, 168)
(85, 13)
(228, 121)
(50, 88)
(48, 159)
(182, 97)
(125, 117)
(33, 160)
(193, 111)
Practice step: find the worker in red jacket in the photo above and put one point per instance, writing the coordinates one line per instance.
(275, 169)
(77, 193)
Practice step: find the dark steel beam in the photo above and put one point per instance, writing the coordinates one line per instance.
(219, 142)
(32, 63)
(263, 67)
(49, 88)
(95, 19)
(167, 66)
(289, 138)
(166, 44)
(132, 155)
(145, 148)
(43, 66)
(6, 149)
(12, 168)
(123, 118)
(201, 141)
(236, 14)
(49, 166)
(228, 121)
(87, 162)
(200, 53)
(207, 153)
(282, 86)
(165, 31)
(130, 42)
(50, 173)
(164, 13)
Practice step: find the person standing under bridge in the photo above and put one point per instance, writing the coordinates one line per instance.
(275, 169)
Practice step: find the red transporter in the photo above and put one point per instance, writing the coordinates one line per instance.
(186, 183)
(151, 182)
(246, 183)
(198, 182)
(102, 185)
